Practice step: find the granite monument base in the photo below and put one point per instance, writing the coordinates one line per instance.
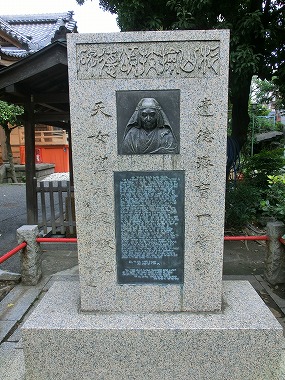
(244, 341)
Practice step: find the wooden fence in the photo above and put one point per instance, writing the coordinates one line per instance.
(56, 208)
(44, 139)
(54, 137)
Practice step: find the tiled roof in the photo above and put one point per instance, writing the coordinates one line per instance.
(17, 53)
(33, 32)
(12, 32)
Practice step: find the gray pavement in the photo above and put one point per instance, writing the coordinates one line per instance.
(13, 215)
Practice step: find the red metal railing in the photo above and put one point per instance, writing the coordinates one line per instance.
(15, 250)
(12, 252)
(74, 240)
(56, 240)
(259, 237)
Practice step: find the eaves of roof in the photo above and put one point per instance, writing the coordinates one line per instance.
(53, 54)
(16, 53)
(12, 32)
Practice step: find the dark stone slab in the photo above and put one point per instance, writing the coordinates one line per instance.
(149, 209)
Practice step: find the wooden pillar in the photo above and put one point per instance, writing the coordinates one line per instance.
(70, 157)
(31, 181)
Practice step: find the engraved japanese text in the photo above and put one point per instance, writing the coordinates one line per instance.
(148, 60)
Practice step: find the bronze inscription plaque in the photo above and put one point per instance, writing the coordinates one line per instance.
(149, 208)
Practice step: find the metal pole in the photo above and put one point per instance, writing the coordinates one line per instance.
(252, 134)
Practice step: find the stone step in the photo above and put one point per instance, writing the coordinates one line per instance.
(16, 304)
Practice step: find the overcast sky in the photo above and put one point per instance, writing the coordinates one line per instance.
(90, 18)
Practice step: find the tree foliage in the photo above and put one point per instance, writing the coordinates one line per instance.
(9, 119)
(266, 92)
(9, 114)
(256, 46)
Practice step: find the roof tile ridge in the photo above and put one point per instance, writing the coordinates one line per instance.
(37, 17)
(13, 32)
(60, 22)
(67, 22)
(71, 22)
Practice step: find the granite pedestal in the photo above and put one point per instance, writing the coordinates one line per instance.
(242, 342)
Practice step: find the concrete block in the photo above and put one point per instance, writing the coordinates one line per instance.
(9, 276)
(15, 305)
(31, 255)
(275, 260)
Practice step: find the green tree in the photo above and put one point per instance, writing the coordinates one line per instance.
(9, 119)
(266, 92)
(257, 38)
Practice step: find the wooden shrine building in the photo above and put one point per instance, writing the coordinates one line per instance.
(38, 82)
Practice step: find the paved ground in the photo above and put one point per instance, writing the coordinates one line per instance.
(12, 216)
(241, 261)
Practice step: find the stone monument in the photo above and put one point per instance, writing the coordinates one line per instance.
(149, 123)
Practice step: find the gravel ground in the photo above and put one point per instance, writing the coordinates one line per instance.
(57, 177)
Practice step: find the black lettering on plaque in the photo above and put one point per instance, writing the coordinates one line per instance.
(149, 209)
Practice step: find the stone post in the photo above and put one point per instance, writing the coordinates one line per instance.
(275, 260)
(31, 255)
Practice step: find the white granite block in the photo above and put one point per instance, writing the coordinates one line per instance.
(195, 65)
(242, 342)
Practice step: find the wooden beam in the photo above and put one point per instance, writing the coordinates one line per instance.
(51, 98)
(48, 106)
(45, 59)
(11, 40)
(31, 181)
(15, 93)
(5, 61)
(10, 98)
(45, 117)
(70, 158)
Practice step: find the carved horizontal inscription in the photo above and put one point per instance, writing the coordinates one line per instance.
(181, 59)
(150, 226)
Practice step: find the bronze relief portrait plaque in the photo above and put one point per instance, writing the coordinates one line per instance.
(148, 122)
